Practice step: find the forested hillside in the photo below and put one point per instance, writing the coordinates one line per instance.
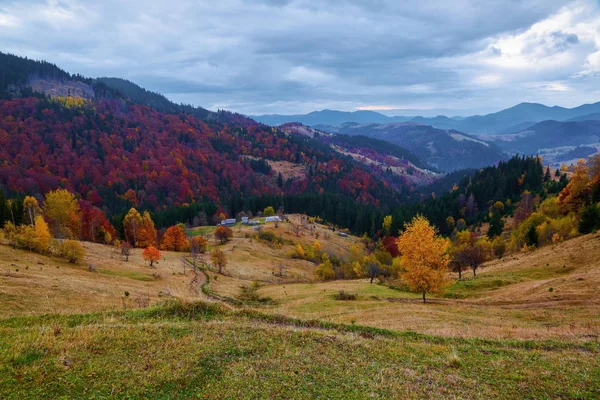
(116, 153)
(129, 147)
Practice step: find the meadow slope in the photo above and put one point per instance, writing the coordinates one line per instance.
(201, 350)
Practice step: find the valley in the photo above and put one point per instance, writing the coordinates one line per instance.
(74, 324)
(150, 249)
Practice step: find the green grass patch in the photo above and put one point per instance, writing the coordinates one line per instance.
(473, 287)
(28, 357)
(201, 350)
(135, 275)
(201, 230)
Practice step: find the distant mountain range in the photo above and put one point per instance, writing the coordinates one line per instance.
(329, 117)
(510, 120)
(446, 150)
(556, 141)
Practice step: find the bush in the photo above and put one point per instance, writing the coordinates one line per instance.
(343, 295)
(272, 238)
(499, 246)
(72, 250)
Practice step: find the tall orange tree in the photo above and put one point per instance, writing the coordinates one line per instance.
(424, 257)
(146, 235)
(175, 239)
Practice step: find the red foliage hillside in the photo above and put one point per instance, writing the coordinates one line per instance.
(107, 148)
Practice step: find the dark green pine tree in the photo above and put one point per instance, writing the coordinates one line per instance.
(531, 236)
(590, 219)
(547, 176)
(496, 225)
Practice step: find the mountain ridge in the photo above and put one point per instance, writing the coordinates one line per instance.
(502, 121)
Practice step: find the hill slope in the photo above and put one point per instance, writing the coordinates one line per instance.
(121, 139)
(445, 150)
(196, 348)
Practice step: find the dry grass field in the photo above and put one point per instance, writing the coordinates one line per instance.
(504, 334)
(553, 292)
(31, 283)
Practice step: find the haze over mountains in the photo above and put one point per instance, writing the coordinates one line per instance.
(510, 120)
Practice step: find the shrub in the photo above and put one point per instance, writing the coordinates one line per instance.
(72, 250)
(269, 211)
(343, 295)
(271, 238)
(499, 246)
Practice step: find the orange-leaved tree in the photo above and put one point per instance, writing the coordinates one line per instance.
(424, 257)
(146, 235)
(577, 193)
(223, 233)
(175, 239)
(151, 254)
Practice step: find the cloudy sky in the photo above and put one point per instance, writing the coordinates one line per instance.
(296, 56)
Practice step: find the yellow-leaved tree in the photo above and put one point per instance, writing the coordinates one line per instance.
(324, 271)
(62, 211)
(132, 224)
(42, 235)
(32, 208)
(424, 257)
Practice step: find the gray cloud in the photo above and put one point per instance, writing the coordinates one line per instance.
(297, 55)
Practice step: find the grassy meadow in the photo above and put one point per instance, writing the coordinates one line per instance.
(527, 326)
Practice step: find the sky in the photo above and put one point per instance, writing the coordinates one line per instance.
(456, 57)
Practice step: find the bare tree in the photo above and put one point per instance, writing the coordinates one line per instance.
(184, 262)
(279, 270)
(126, 250)
(295, 229)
